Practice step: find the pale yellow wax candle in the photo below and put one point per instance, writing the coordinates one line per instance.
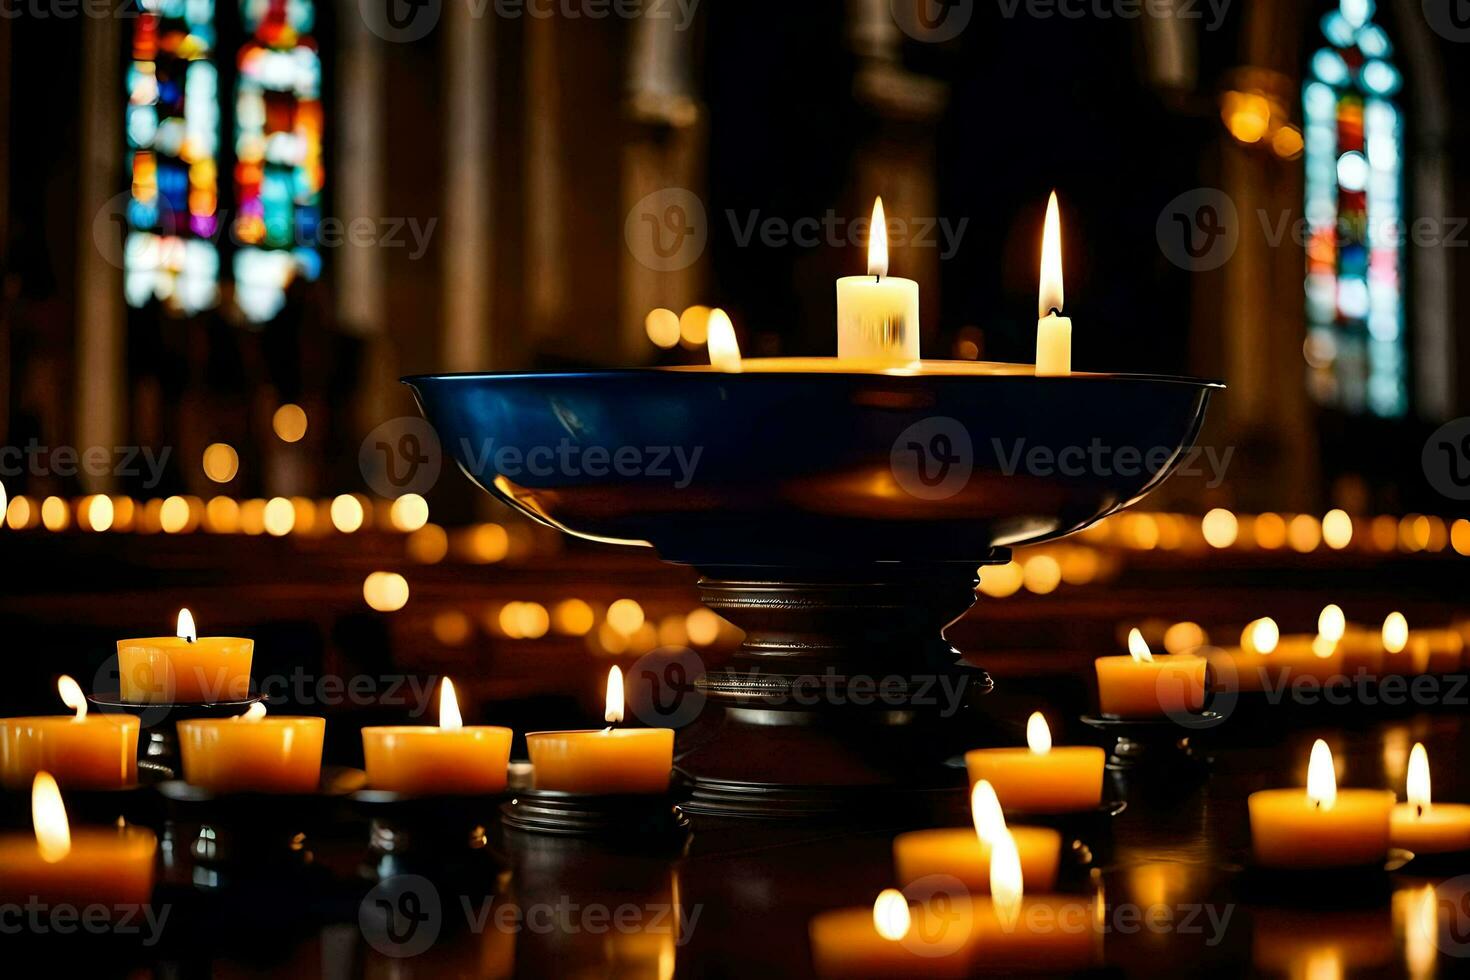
(1040, 778)
(186, 668)
(1053, 331)
(58, 866)
(1142, 685)
(452, 758)
(1323, 827)
(1424, 827)
(610, 760)
(965, 852)
(81, 751)
(877, 314)
(251, 753)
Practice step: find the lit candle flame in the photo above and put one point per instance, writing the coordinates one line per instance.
(878, 241)
(614, 712)
(1006, 886)
(1331, 623)
(990, 821)
(891, 914)
(72, 696)
(252, 714)
(724, 348)
(1418, 782)
(1051, 259)
(48, 816)
(1321, 776)
(1395, 632)
(1322, 647)
(1038, 735)
(1138, 648)
(1261, 635)
(449, 717)
(186, 629)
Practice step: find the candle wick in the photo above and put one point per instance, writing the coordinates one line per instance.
(877, 277)
(1055, 312)
(1418, 809)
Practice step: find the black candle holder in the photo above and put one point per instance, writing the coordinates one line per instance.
(1087, 830)
(158, 741)
(233, 836)
(1160, 745)
(627, 819)
(436, 835)
(136, 804)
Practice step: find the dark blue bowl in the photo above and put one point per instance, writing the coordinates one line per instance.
(815, 469)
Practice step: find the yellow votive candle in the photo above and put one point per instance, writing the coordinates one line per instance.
(84, 751)
(453, 758)
(892, 940)
(59, 866)
(281, 754)
(610, 760)
(1041, 778)
(1321, 827)
(184, 669)
(1425, 827)
(1142, 685)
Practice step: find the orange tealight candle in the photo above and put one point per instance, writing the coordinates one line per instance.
(1323, 827)
(251, 753)
(56, 865)
(1040, 778)
(185, 668)
(453, 758)
(892, 940)
(965, 852)
(610, 760)
(1141, 685)
(82, 752)
(1424, 827)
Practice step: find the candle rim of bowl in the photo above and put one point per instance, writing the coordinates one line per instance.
(831, 365)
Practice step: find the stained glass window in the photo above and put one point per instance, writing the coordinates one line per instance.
(172, 145)
(1356, 349)
(278, 154)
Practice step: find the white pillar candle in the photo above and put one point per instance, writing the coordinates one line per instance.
(1053, 331)
(877, 314)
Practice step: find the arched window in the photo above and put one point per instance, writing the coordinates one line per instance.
(1356, 347)
(278, 154)
(172, 147)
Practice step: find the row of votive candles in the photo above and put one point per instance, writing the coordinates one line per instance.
(257, 752)
(968, 886)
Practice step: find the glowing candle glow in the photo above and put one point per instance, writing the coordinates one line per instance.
(1424, 827)
(724, 348)
(81, 751)
(1141, 685)
(1053, 331)
(1323, 826)
(1040, 778)
(877, 314)
(185, 667)
(610, 760)
(966, 853)
(451, 759)
(59, 865)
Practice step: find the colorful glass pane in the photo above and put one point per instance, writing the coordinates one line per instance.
(172, 128)
(1356, 348)
(278, 154)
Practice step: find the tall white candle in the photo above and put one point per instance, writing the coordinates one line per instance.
(877, 314)
(1053, 331)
